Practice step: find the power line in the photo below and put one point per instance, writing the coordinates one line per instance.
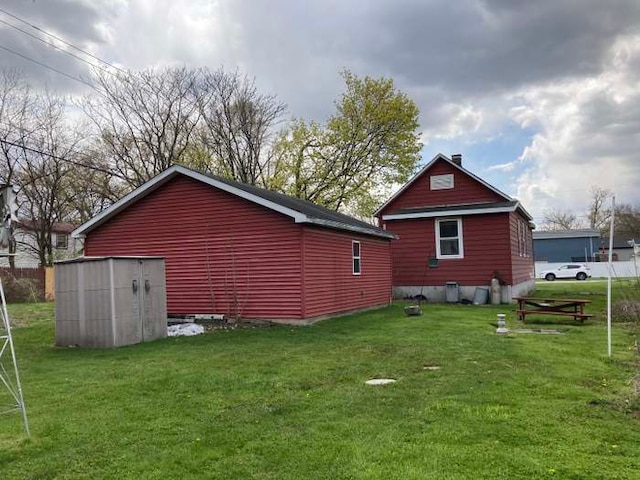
(69, 44)
(56, 157)
(126, 75)
(51, 44)
(50, 68)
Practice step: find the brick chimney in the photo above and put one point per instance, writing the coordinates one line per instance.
(457, 159)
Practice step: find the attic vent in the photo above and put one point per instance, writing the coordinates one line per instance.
(441, 182)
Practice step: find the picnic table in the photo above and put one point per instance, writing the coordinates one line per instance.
(567, 307)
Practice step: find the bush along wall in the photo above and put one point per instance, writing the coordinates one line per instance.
(23, 285)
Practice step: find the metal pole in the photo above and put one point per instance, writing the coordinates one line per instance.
(18, 386)
(613, 214)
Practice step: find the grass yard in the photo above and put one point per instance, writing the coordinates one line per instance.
(290, 403)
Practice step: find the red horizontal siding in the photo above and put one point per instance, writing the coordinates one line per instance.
(486, 249)
(523, 266)
(465, 190)
(223, 254)
(330, 286)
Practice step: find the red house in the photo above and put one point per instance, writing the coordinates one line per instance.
(455, 227)
(243, 251)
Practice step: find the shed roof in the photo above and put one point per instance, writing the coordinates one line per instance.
(575, 233)
(301, 211)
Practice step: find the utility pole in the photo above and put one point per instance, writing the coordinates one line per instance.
(613, 214)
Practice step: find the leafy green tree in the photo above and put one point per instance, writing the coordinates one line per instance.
(368, 146)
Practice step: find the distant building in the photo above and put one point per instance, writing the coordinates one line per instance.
(64, 246)
(566, 245)
(622, 248)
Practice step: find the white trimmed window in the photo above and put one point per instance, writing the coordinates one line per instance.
(62, 241)
(449, 238)
(355, 255)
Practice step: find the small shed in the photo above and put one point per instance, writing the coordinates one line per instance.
(110, 301)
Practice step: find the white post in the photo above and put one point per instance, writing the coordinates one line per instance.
(502, 324)
(613, 214)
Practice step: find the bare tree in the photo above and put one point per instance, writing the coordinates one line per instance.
(44, 172)
(91, 189)
(237, 122)
(627, 222)
(16, 106)
(599, 214)
(144, 120)
(559, 220)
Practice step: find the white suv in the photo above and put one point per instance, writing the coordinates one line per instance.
(571, 270)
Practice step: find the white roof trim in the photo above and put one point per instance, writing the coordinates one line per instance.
(427, 167)
(162, 178)
(450, 213)
(546, 234)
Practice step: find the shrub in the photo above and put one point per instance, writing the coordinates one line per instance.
(20, 290)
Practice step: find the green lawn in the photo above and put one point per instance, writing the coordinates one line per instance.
(290, 403)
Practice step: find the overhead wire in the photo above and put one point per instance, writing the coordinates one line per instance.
(51, 44)
(68, 75)
(122, 75)
(69, 44)
(56, 157)
(125, 74)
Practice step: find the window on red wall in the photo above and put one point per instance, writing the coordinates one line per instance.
(449, 238)
(524, 239)
(355, 254)
(520, 242)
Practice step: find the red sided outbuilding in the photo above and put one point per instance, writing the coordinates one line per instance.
(243, 251)
(455, 227)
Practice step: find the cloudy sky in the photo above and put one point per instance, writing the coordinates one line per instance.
(542, 98)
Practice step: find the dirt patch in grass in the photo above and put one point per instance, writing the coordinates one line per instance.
(627, 311)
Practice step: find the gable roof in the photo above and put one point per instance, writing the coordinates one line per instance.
(56, 227)
(301, 211)
(424, 169)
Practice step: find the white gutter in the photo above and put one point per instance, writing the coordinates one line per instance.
(449, 213)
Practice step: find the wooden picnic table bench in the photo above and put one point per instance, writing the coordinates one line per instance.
(567, 307)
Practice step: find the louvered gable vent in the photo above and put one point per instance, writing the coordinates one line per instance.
(441, 182)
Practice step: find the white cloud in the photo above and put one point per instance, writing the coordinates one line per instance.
(453, 121)
(566, 73)
(589, 132)
(503, 167)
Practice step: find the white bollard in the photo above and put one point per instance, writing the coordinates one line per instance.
(502, 325)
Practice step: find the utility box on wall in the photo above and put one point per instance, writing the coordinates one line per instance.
(110, 301)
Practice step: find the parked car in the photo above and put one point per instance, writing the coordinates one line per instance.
(571, 270)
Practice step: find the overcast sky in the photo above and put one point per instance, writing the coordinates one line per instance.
(542, 98)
